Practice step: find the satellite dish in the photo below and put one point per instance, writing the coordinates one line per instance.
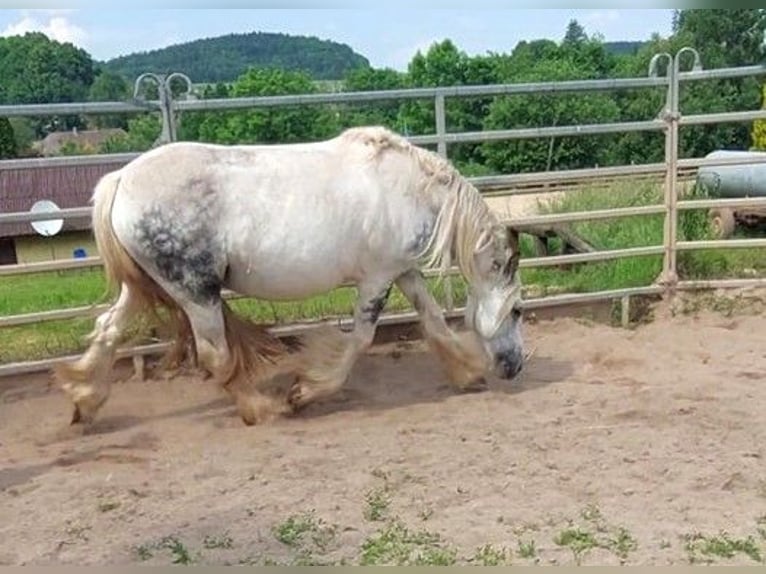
(49, 227)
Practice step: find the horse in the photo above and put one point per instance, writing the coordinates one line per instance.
(181, 222)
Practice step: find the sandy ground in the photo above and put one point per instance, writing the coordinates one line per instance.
(610, 437)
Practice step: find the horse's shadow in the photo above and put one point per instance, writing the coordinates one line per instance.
(378, 382)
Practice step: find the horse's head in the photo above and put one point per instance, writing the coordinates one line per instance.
(493, 306)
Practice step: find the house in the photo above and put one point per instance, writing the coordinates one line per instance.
(88, 141)
(67, 186)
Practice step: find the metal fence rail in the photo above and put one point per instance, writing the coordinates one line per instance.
(669, 122)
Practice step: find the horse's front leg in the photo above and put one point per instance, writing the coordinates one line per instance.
(327, 355)
(461, 354)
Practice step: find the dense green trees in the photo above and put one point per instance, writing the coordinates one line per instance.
(35, 69)
(8, 145)
(267, 125)
(722, 37)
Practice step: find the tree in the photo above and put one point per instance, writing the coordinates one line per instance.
(143, 132)
(385, 113)
(8, 145)
(277, 124)
(109, 87)
(35, 69)
(724, 38)
(759, 130)
(575, 33)
(545, 61)
(444, 65)
(224, 58)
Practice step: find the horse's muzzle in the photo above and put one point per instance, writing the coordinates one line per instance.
(509, 364)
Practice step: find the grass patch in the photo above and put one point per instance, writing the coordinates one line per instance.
(488, 555)
(596, 533)
(579, 541)
(396, 545)
(224, 541)
(377, 504)
(78, 288)
(179, 553)
(303, 530)
(703, 548)
(527, 550)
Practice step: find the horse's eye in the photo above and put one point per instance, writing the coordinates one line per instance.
(496, 266)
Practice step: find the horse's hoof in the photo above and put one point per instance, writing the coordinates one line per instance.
(296, 397)
(81, 417)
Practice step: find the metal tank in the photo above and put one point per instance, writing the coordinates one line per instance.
(744, 180)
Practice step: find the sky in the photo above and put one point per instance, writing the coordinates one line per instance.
(388, 38)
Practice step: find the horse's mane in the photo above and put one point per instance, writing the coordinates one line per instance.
(464, 221)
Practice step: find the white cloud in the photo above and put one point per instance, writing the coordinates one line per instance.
(52, 23)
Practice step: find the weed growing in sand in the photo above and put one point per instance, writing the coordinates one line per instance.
(761, 526)
(144, 552)
(223, 541)
(702, 548)
(178, 551)
(527, 550)
(599, 534)
(622, 543)
(378, 501)
(592, 513)
(579, 541)
(302, 529)
(488, 555)
(426, 513)
(396, 545)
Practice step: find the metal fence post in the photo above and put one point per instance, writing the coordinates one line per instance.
(671, 116)
(441, 148)
(167, 108)
(441, 125)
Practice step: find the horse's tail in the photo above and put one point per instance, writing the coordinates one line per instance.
(122, 271)
(119, 266)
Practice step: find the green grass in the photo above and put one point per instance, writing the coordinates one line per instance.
(488, 555)
(705, 549)
(304, 538)
(304, 530)
(595, 533)
(47, 291)
(378, 502)
(397, 545)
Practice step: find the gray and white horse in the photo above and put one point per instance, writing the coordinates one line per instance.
(183, 221)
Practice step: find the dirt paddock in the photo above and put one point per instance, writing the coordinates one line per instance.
(641, 446)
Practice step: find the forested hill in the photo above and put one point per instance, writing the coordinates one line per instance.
(225, 58)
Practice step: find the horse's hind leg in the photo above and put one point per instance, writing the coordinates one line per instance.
(87, 380)
(221, 339)
(461, 354)
(328, 354)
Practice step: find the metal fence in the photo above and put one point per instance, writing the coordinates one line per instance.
(669, 121)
